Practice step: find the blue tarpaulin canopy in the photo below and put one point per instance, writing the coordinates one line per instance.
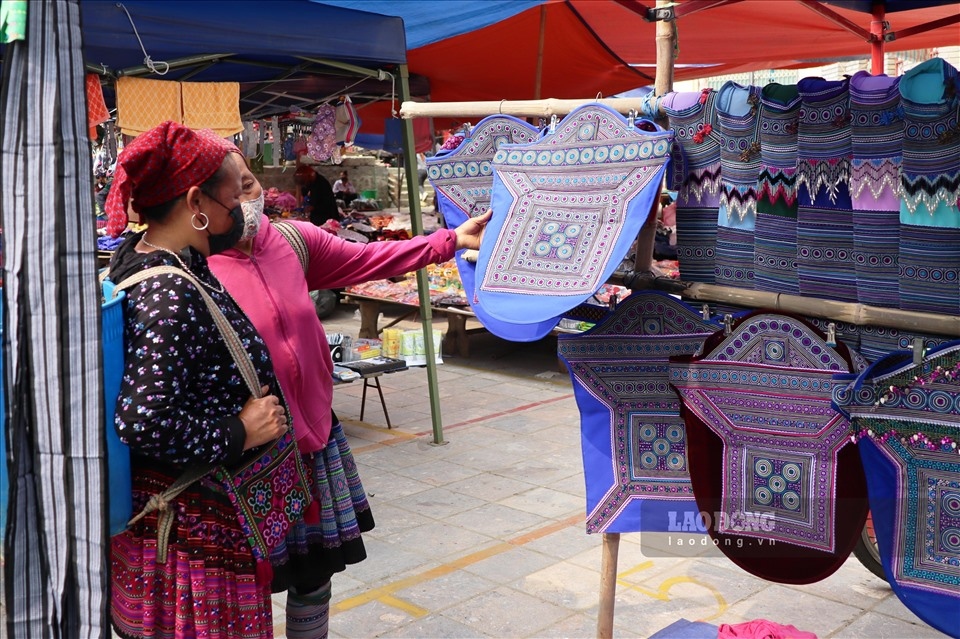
(284, 53)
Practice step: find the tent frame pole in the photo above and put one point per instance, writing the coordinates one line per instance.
(878, 27)
(423, 284)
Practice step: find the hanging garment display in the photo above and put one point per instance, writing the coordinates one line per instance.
(738, 116)
(906, 417)
(876, 118)
(566, 209)
(768, 456)
(775, 249)
(212, 105)
(463, 180)
(930, 185)
(143, 104)
(824, 216)
(632, 437)
(693, 119)
(322, 141)
(97, 112)
(347, 121)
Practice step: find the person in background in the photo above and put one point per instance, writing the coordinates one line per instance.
(183, 403)
(343, 189)
(321, 204)
(265, 277)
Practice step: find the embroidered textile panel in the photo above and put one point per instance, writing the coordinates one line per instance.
(876, 117)
(463, 179)
(768, 452)
(692, 117)
(775, 251)
(738, 117)
(825, 259)
(633, 440)
(930, 187)
(566, 210)
(906, 419)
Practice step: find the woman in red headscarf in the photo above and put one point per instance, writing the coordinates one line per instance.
(183, 402)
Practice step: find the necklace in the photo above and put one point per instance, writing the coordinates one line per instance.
(182, 265)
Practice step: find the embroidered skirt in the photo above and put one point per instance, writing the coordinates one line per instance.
(329, 538)
(208, 584)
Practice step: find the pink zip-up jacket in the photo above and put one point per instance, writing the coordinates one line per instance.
(270, 287)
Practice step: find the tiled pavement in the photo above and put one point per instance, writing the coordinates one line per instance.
(484, 537)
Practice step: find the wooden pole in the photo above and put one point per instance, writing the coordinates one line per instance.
(849, 312)
(520, 108)
(608, 584)
(663, 84)
(538, 80)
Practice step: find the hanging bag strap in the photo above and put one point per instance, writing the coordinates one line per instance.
(294, 237)
(160, 501)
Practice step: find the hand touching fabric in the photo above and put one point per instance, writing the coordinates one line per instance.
(470, 232)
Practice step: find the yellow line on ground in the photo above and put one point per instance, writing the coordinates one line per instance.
(386, 594)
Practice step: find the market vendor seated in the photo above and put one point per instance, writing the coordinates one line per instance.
(343, 189)
(320, 203)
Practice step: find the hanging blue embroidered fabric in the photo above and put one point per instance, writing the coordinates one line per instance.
(738, 117)
(930, 188)
(566, 209)
(905, 419)
(119, 487)
(768, 455)
(632, 437)
(463, 179)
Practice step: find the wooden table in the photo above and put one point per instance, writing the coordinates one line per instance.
(455, 341)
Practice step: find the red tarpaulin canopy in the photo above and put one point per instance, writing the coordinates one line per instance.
(596, 46)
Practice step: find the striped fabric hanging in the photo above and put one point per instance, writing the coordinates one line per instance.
(738, 116)
(54, 546)
(825, 265)
(693, 119)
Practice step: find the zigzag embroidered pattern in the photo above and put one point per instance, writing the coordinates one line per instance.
(829, 174)
(875, 175)
(741, 201)
(776, 184)
(921, 190)
(702, 181)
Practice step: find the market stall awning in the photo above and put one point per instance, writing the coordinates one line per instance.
(579, 48)
(284, 53)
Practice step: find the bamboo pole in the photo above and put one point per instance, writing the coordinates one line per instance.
(519, 108)
(663, 84)
(608, 584)
(849, 312)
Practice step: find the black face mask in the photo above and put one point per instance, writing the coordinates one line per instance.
(220, 242)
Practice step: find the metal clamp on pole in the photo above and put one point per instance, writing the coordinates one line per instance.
(727, 324)
(917, 348)
(705, 312)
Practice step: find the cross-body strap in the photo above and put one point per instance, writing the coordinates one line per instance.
(160, 501)
(295, 238)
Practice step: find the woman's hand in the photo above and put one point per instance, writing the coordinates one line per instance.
(264, 419)
(470, 232)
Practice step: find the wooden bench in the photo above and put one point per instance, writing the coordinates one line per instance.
(455, 341)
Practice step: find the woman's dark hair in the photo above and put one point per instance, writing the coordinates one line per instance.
(159, 212)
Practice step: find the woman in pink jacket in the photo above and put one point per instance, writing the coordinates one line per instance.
(265, 277)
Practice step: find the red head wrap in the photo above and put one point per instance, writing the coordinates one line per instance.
(158, 166)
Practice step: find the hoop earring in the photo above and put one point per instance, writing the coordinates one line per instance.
(206, 221)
